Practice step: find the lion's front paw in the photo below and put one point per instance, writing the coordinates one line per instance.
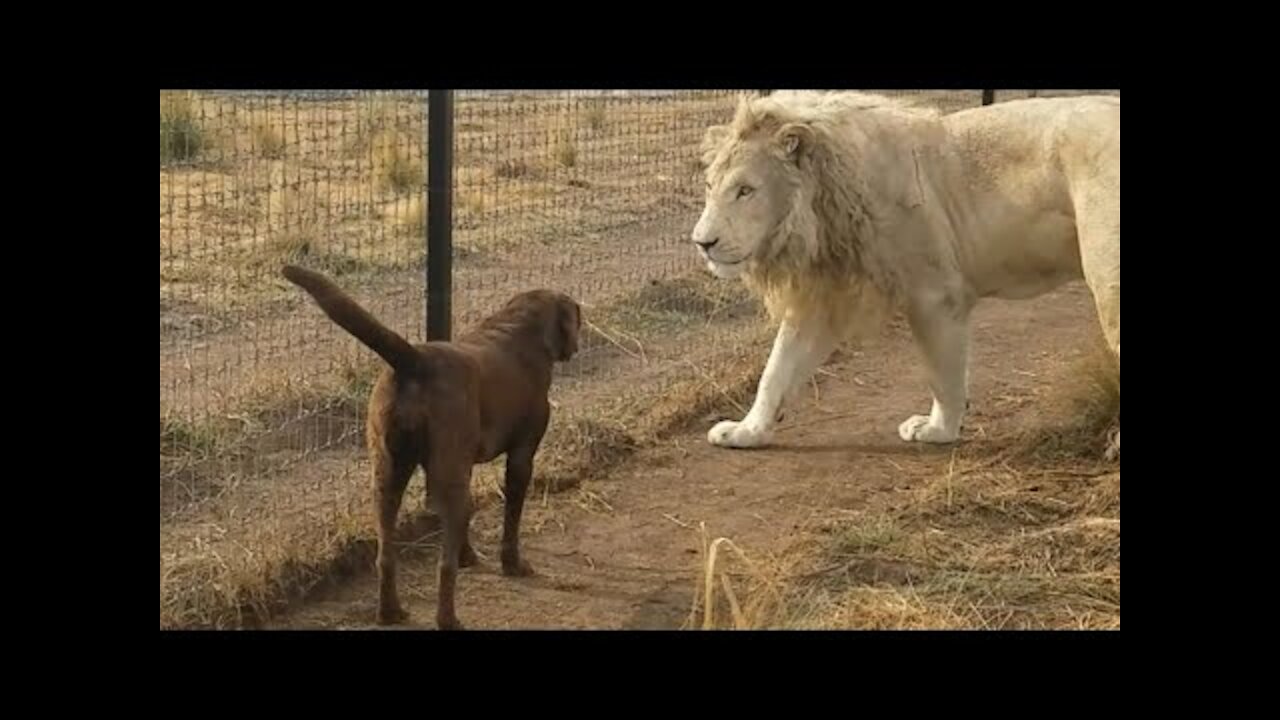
(732, 434)
(917, 428)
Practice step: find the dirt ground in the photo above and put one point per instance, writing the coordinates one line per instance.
(263, 485)
(626, 551)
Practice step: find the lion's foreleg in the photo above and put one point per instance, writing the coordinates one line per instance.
(941, 329)
(798, 350)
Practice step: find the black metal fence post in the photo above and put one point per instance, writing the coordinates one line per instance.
(439, 214)
(988, 97)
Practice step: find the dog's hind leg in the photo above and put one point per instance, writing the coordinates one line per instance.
(468, 557)
(450, 481)
(389, 480)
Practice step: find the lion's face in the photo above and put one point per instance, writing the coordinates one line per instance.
(750, 189)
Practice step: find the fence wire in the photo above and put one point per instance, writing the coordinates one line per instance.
(261, 398)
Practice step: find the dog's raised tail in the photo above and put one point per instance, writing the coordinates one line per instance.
(348, 315)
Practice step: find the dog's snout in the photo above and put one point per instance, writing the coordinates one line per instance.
(707, 244)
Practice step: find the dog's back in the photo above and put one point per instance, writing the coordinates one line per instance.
(489, 386)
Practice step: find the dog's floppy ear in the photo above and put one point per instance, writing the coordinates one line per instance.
(561, 333)
(570, 322)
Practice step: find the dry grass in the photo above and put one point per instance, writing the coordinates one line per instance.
(272, 546)
(203, 587)
(941, 565)
(596, 116)
(267, 138)
(1081, 409)
(512, 168)
(398, 162)
(1025, 538)
(299, 233)
(565, 153)
(296, 219)
(182, 133)
(239, 552)
(364, 158)
(181, 438)
(256, 407)
(410, 215)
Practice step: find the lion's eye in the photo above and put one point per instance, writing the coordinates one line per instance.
(744, 191)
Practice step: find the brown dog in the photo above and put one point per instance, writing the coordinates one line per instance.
(446, 406)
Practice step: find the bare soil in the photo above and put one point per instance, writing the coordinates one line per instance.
(625, 551)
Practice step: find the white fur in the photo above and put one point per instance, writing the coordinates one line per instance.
(797, 352)
(838, 207)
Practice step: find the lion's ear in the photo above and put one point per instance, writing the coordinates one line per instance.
(794, 139)
(711, 141)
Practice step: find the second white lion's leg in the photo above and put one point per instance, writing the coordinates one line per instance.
(798, 350)
(941, 329)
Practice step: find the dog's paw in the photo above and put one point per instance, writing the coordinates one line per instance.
(917, 428)
(730, 434)
(392, 616)
(519, 568)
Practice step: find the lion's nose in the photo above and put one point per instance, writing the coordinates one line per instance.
(709, 244)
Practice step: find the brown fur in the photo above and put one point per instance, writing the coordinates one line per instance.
(446, 406)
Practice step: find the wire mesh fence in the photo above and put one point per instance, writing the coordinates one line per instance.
(261, 398)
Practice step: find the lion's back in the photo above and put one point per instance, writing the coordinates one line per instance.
(1025, 164)
(1005, 142)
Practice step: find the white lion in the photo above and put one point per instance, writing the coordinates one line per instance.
(839, 207)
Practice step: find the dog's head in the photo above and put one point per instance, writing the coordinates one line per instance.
(559, 318)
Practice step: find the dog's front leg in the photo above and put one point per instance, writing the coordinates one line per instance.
(519, 473)
(799, 348)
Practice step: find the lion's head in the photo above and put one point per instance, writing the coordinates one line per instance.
(798, 188)
(753, 184)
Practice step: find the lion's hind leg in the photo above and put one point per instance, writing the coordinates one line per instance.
(1098, 226)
